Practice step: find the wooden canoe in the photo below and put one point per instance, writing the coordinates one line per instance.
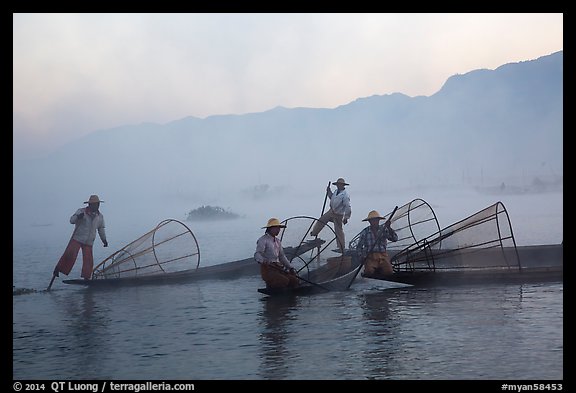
(334, 279)
(539, 263)
(229, 270)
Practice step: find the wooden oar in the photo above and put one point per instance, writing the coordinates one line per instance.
(372, 248)
(325, 199)
(321, 214)
(51, 282)
(54, 275)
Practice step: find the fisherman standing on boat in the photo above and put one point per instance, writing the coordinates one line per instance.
(275, 268)
(372, 246)
(339, 212)
(87, 221)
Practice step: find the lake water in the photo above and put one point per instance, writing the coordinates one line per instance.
(226, 330)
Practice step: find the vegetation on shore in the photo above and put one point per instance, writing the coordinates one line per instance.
(210, 213)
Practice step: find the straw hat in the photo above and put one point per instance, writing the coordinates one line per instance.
(93, 199)
(274, 222)
(373, 214)
(340, 181)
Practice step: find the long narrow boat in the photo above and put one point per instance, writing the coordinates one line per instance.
(543, 264)
(479, 249)
(540, 263)
(229, 270)
(335, 275)
(476, 277)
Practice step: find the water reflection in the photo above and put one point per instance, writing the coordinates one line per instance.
(275, 350)
(376, 306)
(439, 331)
(83, 334)
(382, 332)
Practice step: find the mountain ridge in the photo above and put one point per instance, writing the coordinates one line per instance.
(484, 123)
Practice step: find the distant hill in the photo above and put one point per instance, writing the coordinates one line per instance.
(482, 127)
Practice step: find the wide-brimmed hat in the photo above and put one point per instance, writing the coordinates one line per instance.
(340, 181)
(274, 222)
(93, 199)
(373, 214)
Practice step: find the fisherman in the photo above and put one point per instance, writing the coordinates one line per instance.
(339, 212)
(372, 246)
(87, 220)
(275, 268)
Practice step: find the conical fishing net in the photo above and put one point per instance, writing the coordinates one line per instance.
(482, 240)
(168, 248)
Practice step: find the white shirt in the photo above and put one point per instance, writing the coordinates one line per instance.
(340, 203)
(86, 228)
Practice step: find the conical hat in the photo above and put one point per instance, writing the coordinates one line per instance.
(340, 181)
(93, 199)
(274, 222)
(373, 214)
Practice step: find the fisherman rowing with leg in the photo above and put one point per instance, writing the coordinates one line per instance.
(87, 222)
(339, 213)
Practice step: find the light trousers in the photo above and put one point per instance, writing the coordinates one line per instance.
(378, 263)
(330, 216)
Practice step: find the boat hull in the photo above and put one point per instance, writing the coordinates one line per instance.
(473, 277)
(302, 290)
(538, 263)
(229, 270)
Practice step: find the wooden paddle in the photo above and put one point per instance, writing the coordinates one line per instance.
(325, 199)
(372, 248)
(321, 214)
(51, 282)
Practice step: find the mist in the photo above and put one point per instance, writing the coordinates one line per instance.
(486, 136)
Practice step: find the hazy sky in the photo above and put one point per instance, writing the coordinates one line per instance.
(77, 73)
